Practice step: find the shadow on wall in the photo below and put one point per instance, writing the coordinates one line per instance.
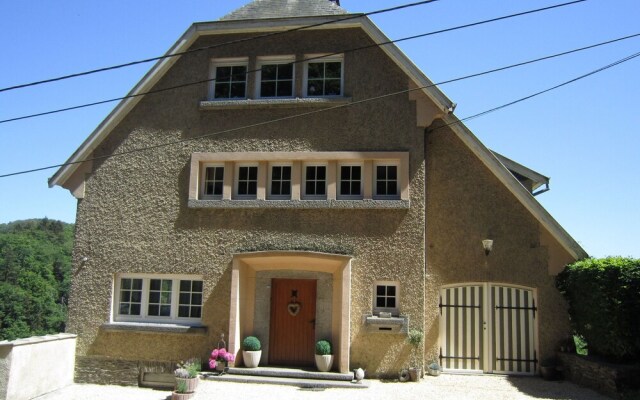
(381, 355)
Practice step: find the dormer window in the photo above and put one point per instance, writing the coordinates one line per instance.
(229, 79)
(323, 77)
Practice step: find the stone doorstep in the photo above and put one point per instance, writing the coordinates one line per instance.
(291, 373)
(287, 376)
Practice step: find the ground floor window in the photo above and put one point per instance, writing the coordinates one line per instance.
(158, 298)
(386, 295)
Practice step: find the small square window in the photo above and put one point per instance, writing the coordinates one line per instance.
(229, 79)
(386, 181)
(324, 77)
(315, 182)
(276, 79)
(247, 181)
(213, 183)
(280, 182)
(386, 297)
(350, 178)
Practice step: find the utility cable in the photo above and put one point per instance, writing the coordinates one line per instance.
(155, 91)
(270, 34)
(308, 113)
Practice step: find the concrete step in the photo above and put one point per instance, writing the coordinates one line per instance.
(292, 373)
(287, 376)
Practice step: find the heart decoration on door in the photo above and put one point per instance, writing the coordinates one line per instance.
(293, 308)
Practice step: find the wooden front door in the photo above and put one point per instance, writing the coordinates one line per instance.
(293, 320)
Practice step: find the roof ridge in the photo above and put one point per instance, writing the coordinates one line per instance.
(265, 9)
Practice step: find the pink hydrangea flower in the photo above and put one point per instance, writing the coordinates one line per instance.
(212, 363)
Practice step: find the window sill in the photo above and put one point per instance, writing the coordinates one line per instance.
(154, 327)
(274, 103)
(302, 204)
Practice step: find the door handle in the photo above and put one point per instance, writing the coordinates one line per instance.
(313, 321)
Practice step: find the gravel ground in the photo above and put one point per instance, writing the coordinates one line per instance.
(444, 387)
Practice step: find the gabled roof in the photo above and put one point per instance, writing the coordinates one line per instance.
(491, 161)
(262, 9)
(262, 19)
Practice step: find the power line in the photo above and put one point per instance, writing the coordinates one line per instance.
(300, 115)
(294, 62)
(146, 60)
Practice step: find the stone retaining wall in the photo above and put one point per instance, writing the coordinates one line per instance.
(107, 371)
(607, 378)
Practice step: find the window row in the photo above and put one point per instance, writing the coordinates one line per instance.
(158, 298)
(275, 77)
(313, 180)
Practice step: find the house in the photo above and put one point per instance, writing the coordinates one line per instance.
(284, 198)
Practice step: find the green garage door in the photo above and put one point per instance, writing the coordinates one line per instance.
(488, 327)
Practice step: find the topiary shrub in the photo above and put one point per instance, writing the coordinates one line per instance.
(323, 348)
(251, 343)
(604, 305)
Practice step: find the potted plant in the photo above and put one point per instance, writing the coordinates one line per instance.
(181, 393)
(251, 351)
(186, 378)
(415, 338)
(324, 356)
(187, 372)
(220, 359)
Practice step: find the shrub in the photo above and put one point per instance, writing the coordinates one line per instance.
(323, 348)
(251, 343)
(604, 304)
(415, 337)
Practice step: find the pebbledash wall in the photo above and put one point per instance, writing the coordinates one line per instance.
(135, 218)
(466, 203)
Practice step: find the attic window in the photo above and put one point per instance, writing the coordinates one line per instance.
(276, 77)
(228, 79)
(323, 76)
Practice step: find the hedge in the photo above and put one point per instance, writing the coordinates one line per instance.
(604, 305)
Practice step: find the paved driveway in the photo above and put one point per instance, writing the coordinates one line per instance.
(444, 387)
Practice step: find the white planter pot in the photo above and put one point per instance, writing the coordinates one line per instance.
(251, 358)
(324, 363)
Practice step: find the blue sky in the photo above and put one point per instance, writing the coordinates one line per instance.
(584, 136)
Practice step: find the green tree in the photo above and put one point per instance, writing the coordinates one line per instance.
(35, 260)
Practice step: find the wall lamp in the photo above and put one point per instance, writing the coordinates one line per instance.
(487, 244)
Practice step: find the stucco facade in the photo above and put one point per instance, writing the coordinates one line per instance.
(135, 215)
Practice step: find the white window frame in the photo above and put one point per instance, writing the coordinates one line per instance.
(144, 316)
(277, 60)
(227, 62)
(236, 181)
(339, 193)
(320, 58)
(386, 163)
(303, 190)
(203, 181)
(393, 310)
(270, 181)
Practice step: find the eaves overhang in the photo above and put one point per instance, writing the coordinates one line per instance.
(244, 26)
